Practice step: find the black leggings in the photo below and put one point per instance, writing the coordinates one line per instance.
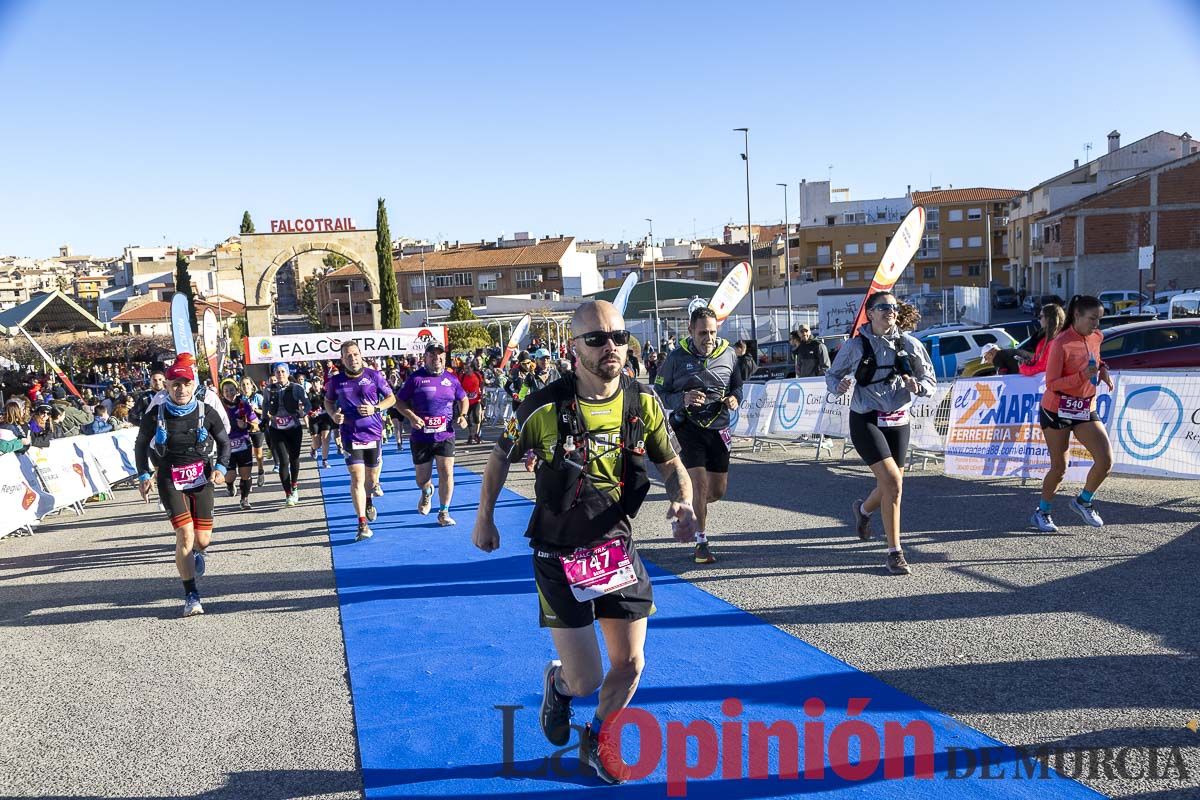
(286, 444)
(875, 443)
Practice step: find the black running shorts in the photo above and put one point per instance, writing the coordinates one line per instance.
(257, 439)
(241, 458)
(320, 422)
(423, 451)
(702, 447)
(370, 456)
(875, 443)
(558, 608)
(1050, 419)
(188, 507)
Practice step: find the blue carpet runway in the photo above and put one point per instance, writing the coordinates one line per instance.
(439, 634)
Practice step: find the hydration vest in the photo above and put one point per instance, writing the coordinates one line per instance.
(571, 511)
(206, 445)
(868, 365)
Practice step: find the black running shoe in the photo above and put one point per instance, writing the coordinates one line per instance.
(897, 565)
(556, 709)
(703, 555)
(604, 757)
(862, 520)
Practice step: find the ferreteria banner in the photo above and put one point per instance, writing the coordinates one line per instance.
(326, 346)
(994, 429)
(1155, 424)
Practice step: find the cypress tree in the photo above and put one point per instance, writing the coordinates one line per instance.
(389, 296)
(247, 223)
(183, 284)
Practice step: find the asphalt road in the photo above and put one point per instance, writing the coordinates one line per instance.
(1083, 639)
(107, 692)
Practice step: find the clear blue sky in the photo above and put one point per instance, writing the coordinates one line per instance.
(130, 122)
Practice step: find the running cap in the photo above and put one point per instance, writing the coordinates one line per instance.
(183, 369)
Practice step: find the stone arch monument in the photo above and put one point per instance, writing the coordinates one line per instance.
(264, 253)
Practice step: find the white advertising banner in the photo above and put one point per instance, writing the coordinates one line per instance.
(62, 471)
(834, 418)
(795, 406)
(113, 452)
(92, 471)
(18, 500)
(747, 418)
(927, 427)
(994, 430)
(1155, 425)
(325, 346)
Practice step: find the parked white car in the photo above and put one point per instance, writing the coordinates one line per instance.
(955, 348)
(1117, 301)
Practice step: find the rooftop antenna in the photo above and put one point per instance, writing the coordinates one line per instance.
(1087, 152)
(831, 174)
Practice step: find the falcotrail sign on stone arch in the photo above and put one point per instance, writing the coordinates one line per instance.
(264, 253)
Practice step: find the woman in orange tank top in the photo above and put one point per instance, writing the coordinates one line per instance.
(1073, 374)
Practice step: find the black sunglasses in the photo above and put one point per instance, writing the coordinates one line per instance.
(598, 338)
(885, 307)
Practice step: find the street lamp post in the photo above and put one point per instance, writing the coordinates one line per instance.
(654, 281)
(350, 302)
(787, 256)
(425, 287)
(749, 235)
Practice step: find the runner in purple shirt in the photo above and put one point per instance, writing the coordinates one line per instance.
(434, 402)
(354, 397)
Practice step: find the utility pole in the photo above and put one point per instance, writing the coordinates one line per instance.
(750, 236)
(787, 256)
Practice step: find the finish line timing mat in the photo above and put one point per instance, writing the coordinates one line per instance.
(445, 663)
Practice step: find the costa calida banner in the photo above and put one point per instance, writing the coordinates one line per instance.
(1155, 424)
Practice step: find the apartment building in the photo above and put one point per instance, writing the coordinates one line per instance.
(522, 265)
(1093, 245)
(958, 226)
(841, 238)
(1030, 268)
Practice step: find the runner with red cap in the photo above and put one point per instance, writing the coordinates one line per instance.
(185, 439)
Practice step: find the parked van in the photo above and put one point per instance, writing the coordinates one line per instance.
(1184, 305)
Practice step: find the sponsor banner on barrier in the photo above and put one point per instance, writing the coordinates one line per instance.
(113, 452)
(994, 430)
(795, 406)
(92, 472)
(18, 499)
(62, 470)
(929, 419)
(834, 417)
(1155, 425)
(748, 418)
(325, 346)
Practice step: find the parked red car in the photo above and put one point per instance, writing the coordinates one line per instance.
(1160, 344)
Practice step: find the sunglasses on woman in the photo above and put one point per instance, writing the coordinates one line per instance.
(598, 338)
(885, 307)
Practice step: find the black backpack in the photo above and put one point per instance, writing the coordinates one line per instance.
(868, 364)
(563, 488)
